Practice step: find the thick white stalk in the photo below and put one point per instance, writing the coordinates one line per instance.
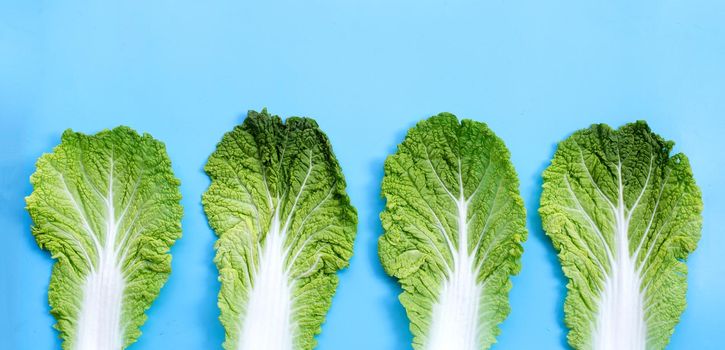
(454, 322)
(620, 321)
(266, 324)
(99, 321)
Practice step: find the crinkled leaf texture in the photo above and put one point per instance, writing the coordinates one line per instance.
(277, 202)
(107, 207)
(454, 222)
(624, 215)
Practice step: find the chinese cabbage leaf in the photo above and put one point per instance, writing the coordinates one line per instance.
(277, 202)
(624, 214)
(107, 208)
(454, 222)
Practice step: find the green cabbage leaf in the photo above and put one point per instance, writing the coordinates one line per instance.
(107, 207)
(624, 215)
(454, 223)
(277, 202)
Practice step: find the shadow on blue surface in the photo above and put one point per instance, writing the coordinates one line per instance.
(15, 182)
(537, 233)
(209, 310)
(209, 315)
(390, 302)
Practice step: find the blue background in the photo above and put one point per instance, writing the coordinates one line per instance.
(367, 70)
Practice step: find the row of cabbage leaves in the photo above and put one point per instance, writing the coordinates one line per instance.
(622, 212)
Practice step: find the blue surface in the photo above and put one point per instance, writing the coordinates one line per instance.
(187, 71)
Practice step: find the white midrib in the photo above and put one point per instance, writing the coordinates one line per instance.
(267, 320)
(454, 321)
(620, 322)
(99, 321)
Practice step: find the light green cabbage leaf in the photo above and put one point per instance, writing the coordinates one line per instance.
(277, 202)
(454, 222)
(107, 208)
(624, 214)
